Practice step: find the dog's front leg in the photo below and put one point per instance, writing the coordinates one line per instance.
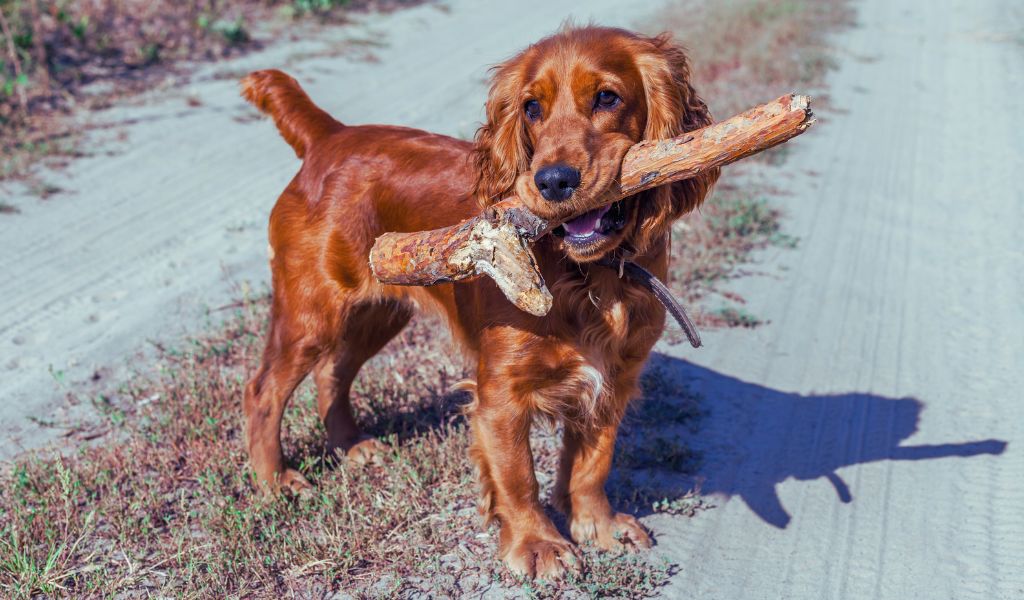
(529, 544)
(580, 491)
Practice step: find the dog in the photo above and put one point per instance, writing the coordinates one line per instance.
(560, 116)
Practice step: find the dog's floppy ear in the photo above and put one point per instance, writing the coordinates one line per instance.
(673, 108)
(502, 147)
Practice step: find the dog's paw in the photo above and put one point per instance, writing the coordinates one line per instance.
(364, 451)
(293, 482)
(547, 558)
(619, 532)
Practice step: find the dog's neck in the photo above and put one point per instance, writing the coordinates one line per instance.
(595, 278)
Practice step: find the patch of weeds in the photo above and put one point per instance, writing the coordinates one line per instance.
(687, 505)
(45, 564)
(743, 52)
(234, 32)
(168, 504)
(654, 465)
(783, 240)
(108, 409)
(303, 7)
(7, 208)
(50, 51)
(608, 575)
(28, 143)
(665, 452)
(735, 317)
(44, 190)
(744, 218)
(709, 248)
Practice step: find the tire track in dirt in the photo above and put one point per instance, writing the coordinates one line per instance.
(865, 443)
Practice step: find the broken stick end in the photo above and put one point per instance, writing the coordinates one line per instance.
(800, 102)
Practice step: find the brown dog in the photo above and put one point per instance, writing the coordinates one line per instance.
(560, 117)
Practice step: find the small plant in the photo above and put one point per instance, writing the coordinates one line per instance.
(658, 451)
(302, 7)
(741, 217)
(232, 31)
(687, 505)
(736, 317)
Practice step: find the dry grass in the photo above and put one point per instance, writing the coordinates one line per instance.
(711, 247)
(51, 49)
(163, 505)
(744, 52)
(170, 506)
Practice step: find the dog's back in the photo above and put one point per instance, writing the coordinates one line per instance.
(359, 182)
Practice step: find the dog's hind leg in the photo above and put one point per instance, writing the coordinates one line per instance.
(287, 359)
(367, 328)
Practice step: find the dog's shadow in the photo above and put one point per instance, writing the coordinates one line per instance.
(751, 438)
(699, 428)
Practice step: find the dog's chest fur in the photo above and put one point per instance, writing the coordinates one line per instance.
(601, 329)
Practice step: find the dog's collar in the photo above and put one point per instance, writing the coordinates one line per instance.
(639, 275)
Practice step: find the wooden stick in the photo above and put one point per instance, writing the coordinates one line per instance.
(497, 243)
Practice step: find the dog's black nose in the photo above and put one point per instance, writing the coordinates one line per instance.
(557, 182)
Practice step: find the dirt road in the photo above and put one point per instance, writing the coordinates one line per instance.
(867, 443)
(166, 217)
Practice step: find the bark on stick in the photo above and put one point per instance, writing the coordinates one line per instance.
(497, 243)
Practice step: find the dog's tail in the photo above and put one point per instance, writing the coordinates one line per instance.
(300, 122)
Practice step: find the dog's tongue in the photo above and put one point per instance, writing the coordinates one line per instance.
(586, 223)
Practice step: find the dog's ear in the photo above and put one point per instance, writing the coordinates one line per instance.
(673, 108)
(502, 149)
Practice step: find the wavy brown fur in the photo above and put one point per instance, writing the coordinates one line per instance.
(579, 365)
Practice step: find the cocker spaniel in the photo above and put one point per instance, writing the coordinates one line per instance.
(560, 116)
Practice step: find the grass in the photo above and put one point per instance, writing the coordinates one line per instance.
(162, 504)
(736, 317)
(710, 248)
(743, 52)
(50, 50)
(29, 142)
(171, 506)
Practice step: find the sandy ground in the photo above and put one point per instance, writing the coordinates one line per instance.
(869, 441)
(864, 443)
(167, 218)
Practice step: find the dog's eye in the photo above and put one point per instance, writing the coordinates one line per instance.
(605, 99)
(532, 109)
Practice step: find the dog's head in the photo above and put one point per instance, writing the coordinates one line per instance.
(561, 116)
